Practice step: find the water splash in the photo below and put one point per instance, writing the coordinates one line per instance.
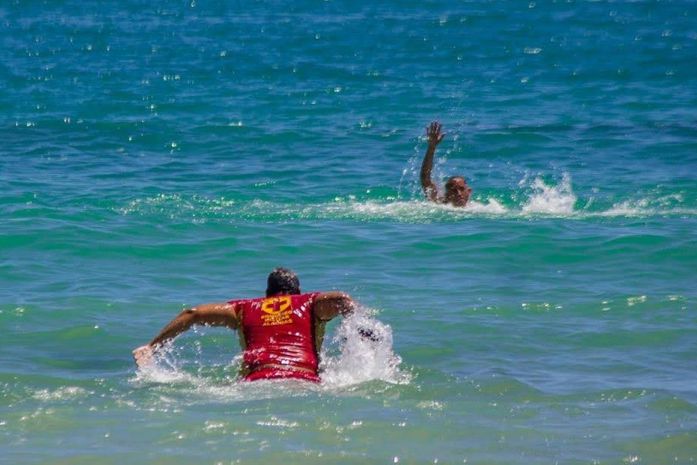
(165, 368)
(365, 353)
(550, 199)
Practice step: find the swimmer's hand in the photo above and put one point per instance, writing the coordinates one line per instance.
(143, 355)
(433, 133)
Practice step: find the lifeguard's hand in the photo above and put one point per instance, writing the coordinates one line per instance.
(143, 355)
(433, 133)
(368, 334)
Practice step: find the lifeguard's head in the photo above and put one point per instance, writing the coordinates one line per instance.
(457, 192)
(282, 281)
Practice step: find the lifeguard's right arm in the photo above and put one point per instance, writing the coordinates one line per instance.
(216, 314)
(434, 137)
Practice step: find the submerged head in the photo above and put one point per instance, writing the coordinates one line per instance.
(282, 281)
(457, 192)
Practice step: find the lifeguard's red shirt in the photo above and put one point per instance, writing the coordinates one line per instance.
(278, 332)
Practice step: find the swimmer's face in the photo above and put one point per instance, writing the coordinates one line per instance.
(457, 192)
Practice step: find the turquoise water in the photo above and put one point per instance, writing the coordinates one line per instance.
(157, 155)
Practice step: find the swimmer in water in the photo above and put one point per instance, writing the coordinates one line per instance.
(457, 192)
(280, 334)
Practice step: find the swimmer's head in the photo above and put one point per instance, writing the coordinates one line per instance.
(457, 192)
(282, 281)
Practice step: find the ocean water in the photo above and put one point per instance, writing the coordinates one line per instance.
(156, 155)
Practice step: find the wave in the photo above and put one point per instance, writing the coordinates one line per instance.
(540, 199)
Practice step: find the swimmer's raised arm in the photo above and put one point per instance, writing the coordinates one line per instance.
(215, 314)
(434, 134)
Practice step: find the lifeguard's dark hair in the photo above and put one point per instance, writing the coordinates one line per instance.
(282, 281)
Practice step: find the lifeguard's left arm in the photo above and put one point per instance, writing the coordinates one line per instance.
(216, 314)
(328, 305)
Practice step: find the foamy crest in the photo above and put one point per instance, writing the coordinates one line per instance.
(536, 198)
(629, 208)
(492, 207)
(552, 200)
(404, 210)
(407, 211)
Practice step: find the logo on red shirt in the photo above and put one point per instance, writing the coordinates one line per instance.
(277, 311)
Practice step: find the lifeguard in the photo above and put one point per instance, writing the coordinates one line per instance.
(280, 334)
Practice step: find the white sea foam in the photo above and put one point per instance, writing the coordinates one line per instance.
(164, 369)
(408, 211)
(628, 208)
(365, 353)
(491, 207)
(536, 198)
(550, 199)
